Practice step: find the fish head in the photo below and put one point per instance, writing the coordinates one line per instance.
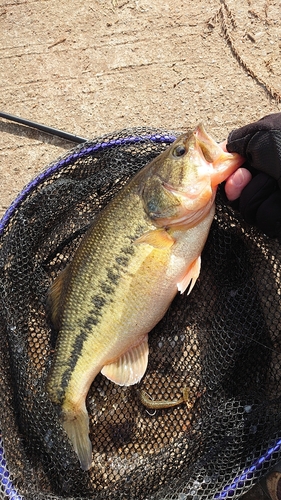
(180, 187)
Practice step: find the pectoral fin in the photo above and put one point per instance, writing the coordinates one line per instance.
(158, 238)
(191, 276)
(130, 367)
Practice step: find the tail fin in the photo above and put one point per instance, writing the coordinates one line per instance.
(76, 425)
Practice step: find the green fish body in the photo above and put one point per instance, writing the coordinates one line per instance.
(142, 249)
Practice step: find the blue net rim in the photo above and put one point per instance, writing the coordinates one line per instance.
(86, 149)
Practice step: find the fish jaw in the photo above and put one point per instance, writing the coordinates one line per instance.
(221, 163)
(188, 217)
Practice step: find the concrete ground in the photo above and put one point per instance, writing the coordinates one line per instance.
(97, 66)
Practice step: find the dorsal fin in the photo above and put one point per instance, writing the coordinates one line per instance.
(56, 296)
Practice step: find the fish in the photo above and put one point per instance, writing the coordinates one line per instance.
(141, 250)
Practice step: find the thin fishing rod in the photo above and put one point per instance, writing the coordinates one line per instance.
(43, 128)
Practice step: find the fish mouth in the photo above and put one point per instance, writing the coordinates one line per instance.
(206, 144)
(222, 163)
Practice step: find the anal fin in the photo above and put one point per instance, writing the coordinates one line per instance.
(130, 367)
(191, 276)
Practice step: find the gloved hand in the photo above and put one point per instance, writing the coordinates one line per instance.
(259, 193)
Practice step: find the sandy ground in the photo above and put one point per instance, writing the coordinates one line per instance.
(97, 66)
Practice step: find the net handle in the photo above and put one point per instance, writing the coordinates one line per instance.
(43, 128)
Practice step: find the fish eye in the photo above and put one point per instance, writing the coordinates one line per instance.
(179, 150)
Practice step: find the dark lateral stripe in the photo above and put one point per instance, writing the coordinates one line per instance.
(76, 351)
(113, 276)
(99, 302)
(104, 295)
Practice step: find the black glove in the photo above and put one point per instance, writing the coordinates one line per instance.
(260, 200)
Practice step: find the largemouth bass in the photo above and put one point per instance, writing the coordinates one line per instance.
(142, 249)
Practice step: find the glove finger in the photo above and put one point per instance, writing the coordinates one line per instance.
(254, 194)
(238, 139)
(264, 152)
(268, 216)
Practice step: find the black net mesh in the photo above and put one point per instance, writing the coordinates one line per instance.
(222, 343)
